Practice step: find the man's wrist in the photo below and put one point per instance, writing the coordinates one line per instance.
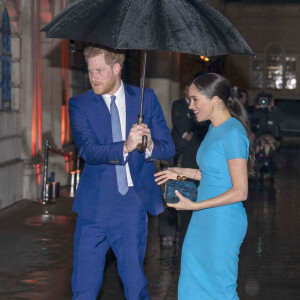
(150, 144)
(128, 149)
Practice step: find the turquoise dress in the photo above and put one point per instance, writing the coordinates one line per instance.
(209, 262)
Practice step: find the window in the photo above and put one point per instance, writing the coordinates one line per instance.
(274, 67)
(6, 64)
(290, 73)
(275, 70)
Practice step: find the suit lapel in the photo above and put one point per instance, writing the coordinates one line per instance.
(99, 105)
(185, 108)
(101, 116)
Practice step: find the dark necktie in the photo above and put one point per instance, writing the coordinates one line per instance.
(117, 137)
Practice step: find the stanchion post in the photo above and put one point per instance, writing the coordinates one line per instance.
(78, 162)
(78, 171)
(45, 195)
(72, 183)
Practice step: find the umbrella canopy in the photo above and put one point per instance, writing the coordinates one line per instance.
(186, 26)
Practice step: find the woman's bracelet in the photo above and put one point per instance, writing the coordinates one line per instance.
(181, 178)
(195, 174)
(129, 150)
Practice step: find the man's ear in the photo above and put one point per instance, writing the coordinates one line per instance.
(117, 69)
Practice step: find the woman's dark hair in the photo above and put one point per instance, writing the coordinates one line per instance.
(213, 84)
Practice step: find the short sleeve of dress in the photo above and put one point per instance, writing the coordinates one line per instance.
(236, 144)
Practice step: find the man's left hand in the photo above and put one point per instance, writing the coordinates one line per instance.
(147, 132)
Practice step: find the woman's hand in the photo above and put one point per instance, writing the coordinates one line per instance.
(184, 203)
(164, 176)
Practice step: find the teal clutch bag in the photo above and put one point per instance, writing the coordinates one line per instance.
(187, 189)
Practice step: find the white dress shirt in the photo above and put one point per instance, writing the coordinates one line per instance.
(121, 105)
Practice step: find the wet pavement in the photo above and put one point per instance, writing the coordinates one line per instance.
(36, 248)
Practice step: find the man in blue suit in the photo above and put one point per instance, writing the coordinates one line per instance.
(117, 187)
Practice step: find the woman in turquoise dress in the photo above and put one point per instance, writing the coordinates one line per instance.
(210, 253)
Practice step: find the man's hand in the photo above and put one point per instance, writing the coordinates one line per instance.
(189, 136)
(135, 137)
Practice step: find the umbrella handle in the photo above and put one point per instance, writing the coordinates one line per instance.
(142, 146)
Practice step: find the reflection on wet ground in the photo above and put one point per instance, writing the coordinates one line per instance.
(41, 220)
(36, 248)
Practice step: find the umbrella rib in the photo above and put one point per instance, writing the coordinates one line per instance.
(195, 21)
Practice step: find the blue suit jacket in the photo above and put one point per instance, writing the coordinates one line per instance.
(91, 127)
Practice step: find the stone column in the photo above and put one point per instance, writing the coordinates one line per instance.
(30, 188)
(162, 75)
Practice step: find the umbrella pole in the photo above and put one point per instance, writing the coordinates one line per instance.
(142, 147)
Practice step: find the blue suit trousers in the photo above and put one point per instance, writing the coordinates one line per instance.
(125, 231)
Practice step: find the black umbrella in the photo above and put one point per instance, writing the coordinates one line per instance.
(186, 26)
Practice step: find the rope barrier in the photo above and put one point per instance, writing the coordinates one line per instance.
(65, 154)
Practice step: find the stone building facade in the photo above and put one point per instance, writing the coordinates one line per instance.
(43, 76)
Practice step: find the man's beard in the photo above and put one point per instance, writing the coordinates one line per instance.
(104, 88)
